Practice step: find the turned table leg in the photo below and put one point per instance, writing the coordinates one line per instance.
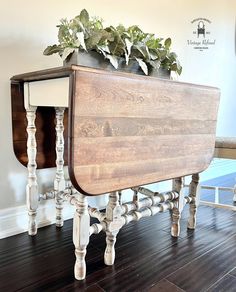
(32, 196)
(81, 225)
(59, 182)
(114, 223)
(178, 206)
(194, 193)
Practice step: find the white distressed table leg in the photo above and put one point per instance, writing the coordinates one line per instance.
(178, 206)
(81, 225)
(114, 223)
(32, 196)
(59, 182)
(109, 255)
(194, 192)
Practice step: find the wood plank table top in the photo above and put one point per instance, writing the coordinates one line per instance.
(124, 130)
(127, 130)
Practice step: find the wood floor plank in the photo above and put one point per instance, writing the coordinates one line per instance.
(164, 286)
(233, 272)
(209, 267)
(227, 283)
(94, 288)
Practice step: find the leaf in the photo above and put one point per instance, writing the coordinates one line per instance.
(162, 54)
(103, 48)
(117, 47)
(77, 24)
(84, 16)
(155, 64)
(113, 60)
(167, 43)
(80, 36)
(143, 50)
(142, 65)
(153, 55)
(97, 37)
(52, 50)
(87, 33)
(67, 52)
(128, 50)
(63, 31)
(179, 68)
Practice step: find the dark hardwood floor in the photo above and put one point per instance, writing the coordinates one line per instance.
(147, 257)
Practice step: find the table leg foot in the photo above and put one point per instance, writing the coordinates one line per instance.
(32, 225)
(81, 225)
(194, 193)
(178, 206)
(113, 223)
(175, 228)
(109, 255)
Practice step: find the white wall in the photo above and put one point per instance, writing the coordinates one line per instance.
(27, 27)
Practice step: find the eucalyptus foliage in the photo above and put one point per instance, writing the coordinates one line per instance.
(87, 33)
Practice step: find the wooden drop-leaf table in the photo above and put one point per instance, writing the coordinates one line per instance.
(121, 131)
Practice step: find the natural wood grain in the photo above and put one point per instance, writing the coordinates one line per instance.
(57, 72)
(128, 130)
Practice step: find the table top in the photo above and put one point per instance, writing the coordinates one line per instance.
(46, 74)
(124, 130)
(128, 130)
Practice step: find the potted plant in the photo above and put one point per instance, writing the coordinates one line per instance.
(84, 40)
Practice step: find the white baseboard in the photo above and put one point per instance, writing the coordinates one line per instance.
(15, 220)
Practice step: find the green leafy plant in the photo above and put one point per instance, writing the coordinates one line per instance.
(85, 33)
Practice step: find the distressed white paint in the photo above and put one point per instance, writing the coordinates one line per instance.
(178, 206)
(53, 92)
(59, 182)
(114, 223)
(194, 193)
(81, 236)
(118, 215)
(32, 196)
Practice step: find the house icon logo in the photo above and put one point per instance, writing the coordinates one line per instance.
(201, 29)
(201, 38)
